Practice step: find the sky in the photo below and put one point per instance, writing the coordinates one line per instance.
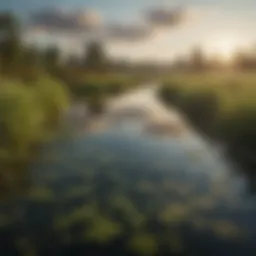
(217, 26)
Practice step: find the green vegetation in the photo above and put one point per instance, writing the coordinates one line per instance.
(36, 88)
(81, 215)
(221, 105)
(125, 208)
(102, 230)
(29, 113)
(41, 194)
(109, 205)
(95, 88)
(143, 244)
(175, 214)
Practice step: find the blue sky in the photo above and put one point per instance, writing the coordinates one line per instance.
(112, 7)
(219, 26)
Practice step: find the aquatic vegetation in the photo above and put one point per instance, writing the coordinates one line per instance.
(126, 209)
(41, 194)
(80, 215)
(102, 229)
(182, 189)
(50, 177)
(207, 202)
(78, 191)
(175, 242)
(107, 158)
(143, 244)
(175, 214)
(226, 229)
(25, 247)
(199, 222)
(145, 186)
(222, 228)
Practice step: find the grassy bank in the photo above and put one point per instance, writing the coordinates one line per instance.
(94, 87)
(32, 107)
(221, 105)
(30, 113)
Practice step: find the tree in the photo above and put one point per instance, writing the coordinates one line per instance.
(245, 60)
(198, 59)
(95, 56)
(52, 57)
(10, 45)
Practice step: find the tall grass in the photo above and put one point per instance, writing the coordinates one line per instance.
(95, 87)
(29, 113)
(221, 105)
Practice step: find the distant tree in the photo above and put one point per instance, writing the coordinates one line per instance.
(31, 56)
(198, 60)
(216, 62)
(10, 44)
(95, 56)
(73, 61)
(245, 60)
(180, 63)
(52, 57)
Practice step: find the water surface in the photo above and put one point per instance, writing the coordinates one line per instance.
(140, 181)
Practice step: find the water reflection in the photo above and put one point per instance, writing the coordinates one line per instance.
(122, 191)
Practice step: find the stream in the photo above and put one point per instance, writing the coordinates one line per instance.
(137, 150)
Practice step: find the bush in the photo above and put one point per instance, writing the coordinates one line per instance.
(53, 98)
(21, 117)
(27, 112)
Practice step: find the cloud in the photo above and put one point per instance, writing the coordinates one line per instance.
(89, 24)
(128, 32)
(61, 20)
(164, 17)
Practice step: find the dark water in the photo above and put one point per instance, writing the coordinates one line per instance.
(123, 192)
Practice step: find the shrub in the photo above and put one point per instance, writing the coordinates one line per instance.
(21, 117)
(53, 98)
(26, 112)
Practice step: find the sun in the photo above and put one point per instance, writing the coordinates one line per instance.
(224, 46)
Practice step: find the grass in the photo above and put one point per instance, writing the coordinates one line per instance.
(221, 105)
(94, 88)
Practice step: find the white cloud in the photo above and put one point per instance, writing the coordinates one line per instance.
(128, 32)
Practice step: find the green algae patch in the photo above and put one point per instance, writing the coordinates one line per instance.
(102, 230)
(143, 244)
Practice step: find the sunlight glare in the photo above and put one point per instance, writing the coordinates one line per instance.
(224, 46)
